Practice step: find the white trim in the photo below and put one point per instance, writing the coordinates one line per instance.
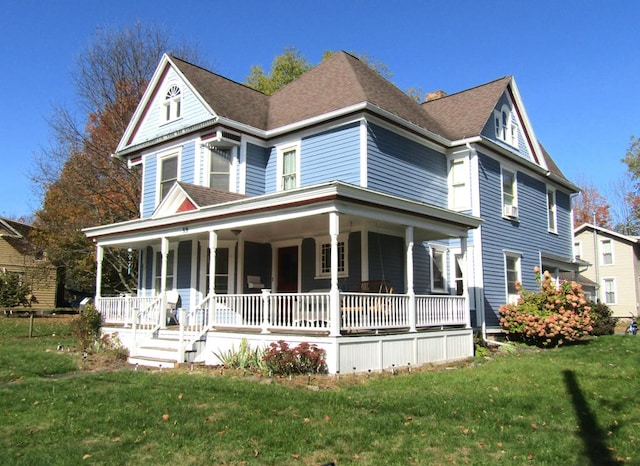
(281, 149)
(604, 290)
(324, 240)
(511, 297)
(601, 252)
(160, 156)
(434, 248)
(242, 166)
(514, 202)
(454, 203)
(552, 210)
(364, 151)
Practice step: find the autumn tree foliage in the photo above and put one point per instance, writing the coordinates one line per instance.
(629, 215)
(590, 206)
(81, 184)
(555, 314)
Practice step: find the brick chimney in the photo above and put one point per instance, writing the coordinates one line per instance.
(435, 95)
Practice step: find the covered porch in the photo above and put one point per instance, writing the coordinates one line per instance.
(326, 264)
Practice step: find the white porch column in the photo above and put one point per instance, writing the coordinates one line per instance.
(164, 253)
(99, 258)
(213, 247)
(334, 230)
(466, 273)
(408, 239)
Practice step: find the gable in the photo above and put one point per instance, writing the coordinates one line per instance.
(170, 104)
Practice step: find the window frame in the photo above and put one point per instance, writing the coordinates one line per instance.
(324, 242)
(603, 254)
(460, 201)
(211, 149)
(606, 292)
(506, 129)
(577, 250)
(282, 150)
(435, 251)
(511, 298)
(172, 104)
(513, 194)
(162, 158)
(172, 254)
(552, 216)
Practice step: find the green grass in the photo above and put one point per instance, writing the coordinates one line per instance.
(572, 405)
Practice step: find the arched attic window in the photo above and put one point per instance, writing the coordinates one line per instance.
(506, 126)
(172, 103)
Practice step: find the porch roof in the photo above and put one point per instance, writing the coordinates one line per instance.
(263, 213)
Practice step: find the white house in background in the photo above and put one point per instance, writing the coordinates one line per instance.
(615, 267)
(337, 211)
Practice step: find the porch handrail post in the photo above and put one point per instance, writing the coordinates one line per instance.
(265, 299)
(213, 302)
(182, 316)
(164, 253)
(334, 293)
(134, 328)
(408, 237)
(465, 278)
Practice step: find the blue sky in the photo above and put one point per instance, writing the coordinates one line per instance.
(576, 63)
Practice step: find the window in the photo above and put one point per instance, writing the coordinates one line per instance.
(577, 250)
(220, 168)
(170, 270)
(512, 276)
(172, 103)
(606, 249)
(609, 290)
(323, 257)
(459, 275)
(551, 210)
(222, 271)
(506, 128)
(458, 192)
(438, 269)
(289, 172)
(509, 201)
(168, 174)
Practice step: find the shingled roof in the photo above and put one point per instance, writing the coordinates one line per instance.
(464, 114)
(16, 235)
(204, 196)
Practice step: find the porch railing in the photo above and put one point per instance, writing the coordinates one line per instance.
(294, 311)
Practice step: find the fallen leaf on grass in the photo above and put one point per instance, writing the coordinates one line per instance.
(165, 416)
(180, 396)
(86, 457)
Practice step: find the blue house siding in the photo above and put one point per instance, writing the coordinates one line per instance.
(331, 155)
(399, 166)
(489, 131)
(187, 163)
(150, 175)
(386, 260)
(528, 236)
(256, 166)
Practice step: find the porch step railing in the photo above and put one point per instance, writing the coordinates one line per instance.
(120, 310)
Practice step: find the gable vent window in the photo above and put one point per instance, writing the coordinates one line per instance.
(172, 103)
(506, 128)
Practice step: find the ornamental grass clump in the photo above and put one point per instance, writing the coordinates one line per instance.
(556, 314)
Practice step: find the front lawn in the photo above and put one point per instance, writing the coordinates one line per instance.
(571, 405)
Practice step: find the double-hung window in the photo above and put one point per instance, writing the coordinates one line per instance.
(512, 275)
(551, 210)
(323, 257)
(438, 270)
(288, 167)
(609, 290)
(170, 271)
(509, 194)
(458, 184)
(168, 174)
(220, 168)
(606, 250)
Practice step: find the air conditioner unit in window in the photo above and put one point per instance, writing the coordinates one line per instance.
(511, 211)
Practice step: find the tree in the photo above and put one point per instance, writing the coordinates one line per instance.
(291, 64)
(80, 183)
(629, 189)
(14, 291)
(590, 203)
(285, 68)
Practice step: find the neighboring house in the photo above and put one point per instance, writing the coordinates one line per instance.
(614, 267)
(19, 256)
(293, 215)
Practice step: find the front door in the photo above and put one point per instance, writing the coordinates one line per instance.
(288, 269)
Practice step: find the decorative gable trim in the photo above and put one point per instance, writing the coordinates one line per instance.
(526, 127)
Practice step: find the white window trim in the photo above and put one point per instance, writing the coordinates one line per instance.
(512, 298)
(604, 290)
(552, 210)
(232, 166)
(455, 203)
(509, 134)
(601, 252)
(577, 249)
(322, 240)
(514, 203)
(281, 150)
(172, 104)
(159, 159)
(443, 251)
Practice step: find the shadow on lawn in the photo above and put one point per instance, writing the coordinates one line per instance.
(592, 436)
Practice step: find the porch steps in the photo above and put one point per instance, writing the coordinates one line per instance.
(160, 352)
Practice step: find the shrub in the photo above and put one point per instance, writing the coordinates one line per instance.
(305, 358)
(86, 327)
(601, 320)
(244, 358)
(555, 314)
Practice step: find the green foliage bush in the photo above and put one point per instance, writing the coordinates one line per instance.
(601, 320)
(13, 290)
(86, 327)
(555, 314)
(245, 358)
(305, 358)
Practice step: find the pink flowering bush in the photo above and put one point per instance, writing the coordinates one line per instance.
(555, 314)
(281, 359)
